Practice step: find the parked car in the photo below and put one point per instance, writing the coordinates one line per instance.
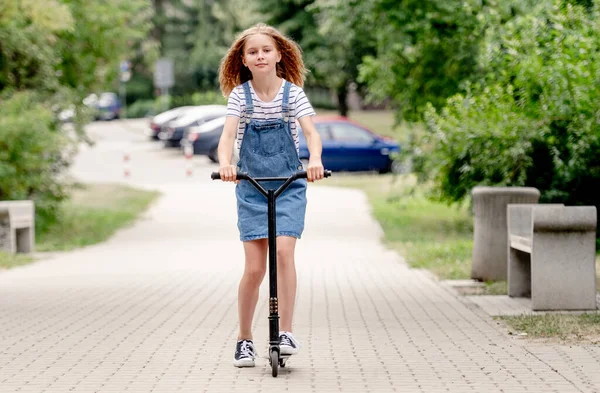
(205, 138)
(163, 119)
(348, 146)
(192, 117)
(108, 107)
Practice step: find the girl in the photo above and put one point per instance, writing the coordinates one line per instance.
(262, 74)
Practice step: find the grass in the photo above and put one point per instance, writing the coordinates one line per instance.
(584, 327)
(93, 214)
(8, 260)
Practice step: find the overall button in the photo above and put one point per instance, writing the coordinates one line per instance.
(299, 167)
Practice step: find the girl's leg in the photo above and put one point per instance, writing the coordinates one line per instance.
(286, 281)
(254, 272)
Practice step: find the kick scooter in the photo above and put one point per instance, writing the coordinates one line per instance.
(275, 357)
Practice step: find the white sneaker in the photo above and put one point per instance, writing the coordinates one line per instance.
(244, 354)
(288, 345)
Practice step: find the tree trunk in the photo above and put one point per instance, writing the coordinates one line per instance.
(342, 96)
(158, 30)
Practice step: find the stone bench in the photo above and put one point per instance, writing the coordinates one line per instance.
(17, 226)
(489, 228)
(551, 255)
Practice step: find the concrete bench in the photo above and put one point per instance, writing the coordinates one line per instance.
(551, 255)
(17, 226)
(489, 228)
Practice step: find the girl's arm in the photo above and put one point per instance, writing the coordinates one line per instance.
(225, 149)
(315, 147)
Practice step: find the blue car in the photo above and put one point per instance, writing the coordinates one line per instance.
(108, 107)
(348, 146)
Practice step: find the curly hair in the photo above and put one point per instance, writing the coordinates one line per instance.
(232, 72)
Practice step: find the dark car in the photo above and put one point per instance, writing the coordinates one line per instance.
(193, 117)
(162, 120)
(348, 146)
(205, 138)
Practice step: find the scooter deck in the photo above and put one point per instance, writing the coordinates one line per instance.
(283, 359)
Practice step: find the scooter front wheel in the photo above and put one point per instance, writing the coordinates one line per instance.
(274, 360)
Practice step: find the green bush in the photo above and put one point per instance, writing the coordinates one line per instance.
(141, 108)
(34, 154)
(535, 118)
(139, 87)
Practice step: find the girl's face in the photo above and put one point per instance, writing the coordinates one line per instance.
(260, 54)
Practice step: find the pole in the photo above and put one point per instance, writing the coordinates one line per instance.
(126, 164)
(188, 149)
(165, 98)
(123, 94)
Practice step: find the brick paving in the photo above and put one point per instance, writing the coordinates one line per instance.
(154, 310)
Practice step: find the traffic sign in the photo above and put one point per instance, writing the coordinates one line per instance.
(163, 74)
(125, 66)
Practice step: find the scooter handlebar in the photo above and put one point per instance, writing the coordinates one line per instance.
(245, 176)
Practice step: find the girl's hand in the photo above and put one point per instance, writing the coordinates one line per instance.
(315, 170)
(228, 172)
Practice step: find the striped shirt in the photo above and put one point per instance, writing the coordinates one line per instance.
(298, 104)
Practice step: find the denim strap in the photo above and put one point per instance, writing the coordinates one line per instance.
(285, 108)
(249, 107)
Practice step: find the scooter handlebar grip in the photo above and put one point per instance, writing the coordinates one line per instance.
(238, 176)
(304, 175)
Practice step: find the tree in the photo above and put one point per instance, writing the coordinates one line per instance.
(27, 31)
(426, 50)
(533, 121)
(347, 37)
(52, 54)
(30, 147)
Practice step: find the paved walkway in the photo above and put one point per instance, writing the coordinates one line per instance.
(154, 308)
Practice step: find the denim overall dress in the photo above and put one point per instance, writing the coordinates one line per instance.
(268, 150)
